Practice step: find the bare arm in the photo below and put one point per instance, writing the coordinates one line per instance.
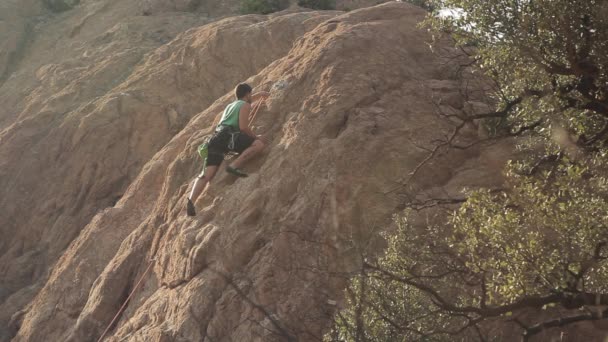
(259, 95)
(244, 114)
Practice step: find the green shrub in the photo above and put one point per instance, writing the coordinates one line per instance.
(318, 4)
(426, 4)
(263, 6)
(61, 5)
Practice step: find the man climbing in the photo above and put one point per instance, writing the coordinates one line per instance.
(231, 135)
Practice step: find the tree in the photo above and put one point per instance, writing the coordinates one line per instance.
(539, 242)
(548, 59)
(61, 5)
(542, 243)
(318, 4)
(426, 4)
(263, 6)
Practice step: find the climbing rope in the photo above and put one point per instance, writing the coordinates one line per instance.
(124, 305)
(256, 107)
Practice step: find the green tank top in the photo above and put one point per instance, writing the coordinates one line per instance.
(231, 115)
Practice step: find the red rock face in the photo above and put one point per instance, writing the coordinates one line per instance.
(98, 136)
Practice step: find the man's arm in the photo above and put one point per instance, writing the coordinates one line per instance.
(259, 95)
(244, 114)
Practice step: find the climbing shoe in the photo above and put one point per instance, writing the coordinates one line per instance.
(190, 208)
(236, 172)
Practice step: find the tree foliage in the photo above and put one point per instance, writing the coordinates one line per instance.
(263, 6)
(548, 59)
(540, 242)
(318, 4)
(426, 4)
(61, 5)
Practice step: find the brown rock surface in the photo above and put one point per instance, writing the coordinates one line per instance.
(266, 255)
(89, 117)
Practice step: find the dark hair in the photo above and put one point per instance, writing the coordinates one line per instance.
(242, 90)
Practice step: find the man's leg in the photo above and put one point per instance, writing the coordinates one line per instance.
(256, 147)
(201, 182)
(199, 185)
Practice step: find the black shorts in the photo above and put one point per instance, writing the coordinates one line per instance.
(221, 143)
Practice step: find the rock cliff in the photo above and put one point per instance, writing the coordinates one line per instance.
(100, 119)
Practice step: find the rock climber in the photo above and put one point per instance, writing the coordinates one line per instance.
(231, 135)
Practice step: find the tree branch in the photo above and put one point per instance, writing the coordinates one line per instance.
(567, 300)
(562, 322)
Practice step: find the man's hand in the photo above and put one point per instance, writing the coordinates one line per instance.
(260, 95)
(261, 137)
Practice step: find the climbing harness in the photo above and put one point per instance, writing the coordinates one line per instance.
(232, 141)
(234, 134)
(124, 305)
(203, 149)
